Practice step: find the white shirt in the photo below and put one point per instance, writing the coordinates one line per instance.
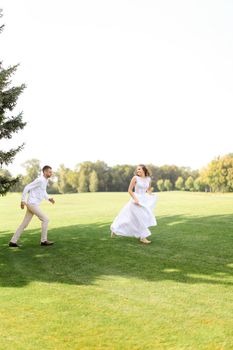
(37, 191)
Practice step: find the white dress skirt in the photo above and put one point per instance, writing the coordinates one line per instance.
(133, 220)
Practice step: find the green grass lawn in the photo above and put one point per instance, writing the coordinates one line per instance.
(89, 291)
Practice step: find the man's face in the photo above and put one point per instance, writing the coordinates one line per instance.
(48, 173)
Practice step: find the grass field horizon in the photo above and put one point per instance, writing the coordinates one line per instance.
(89, 291)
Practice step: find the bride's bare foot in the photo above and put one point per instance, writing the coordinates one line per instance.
(113, 234)
(145, 241)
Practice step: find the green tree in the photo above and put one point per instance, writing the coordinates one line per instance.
(200, 184)
(104, 175)
(168, 185)
(189, 184)
(160, 185)
(219, 174)
(93, 182)
(62, 180)
(53, 187)
(33, 169)
(121, 176)
(155, 175)
(179, 184)
(73, 179)
(19, 185)
(9, 124)
(170, 172)
(83, 185)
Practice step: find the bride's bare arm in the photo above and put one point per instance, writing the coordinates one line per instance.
(130, 189)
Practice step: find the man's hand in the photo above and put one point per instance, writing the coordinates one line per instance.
(22, 205)
(52, 200)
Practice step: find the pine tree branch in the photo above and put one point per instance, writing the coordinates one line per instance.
(5, 75)
(7, 157)
(6, 183)
(9, 98)
(12, 125)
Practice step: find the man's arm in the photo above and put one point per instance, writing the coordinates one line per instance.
(27, 188)
(46, 196)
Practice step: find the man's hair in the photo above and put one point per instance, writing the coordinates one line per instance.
(46, 167)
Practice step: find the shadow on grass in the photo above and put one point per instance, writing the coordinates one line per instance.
(184, 249)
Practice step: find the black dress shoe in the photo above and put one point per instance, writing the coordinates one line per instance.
(46, 243)
(15, 245)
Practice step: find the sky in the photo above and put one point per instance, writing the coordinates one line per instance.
(124, 81)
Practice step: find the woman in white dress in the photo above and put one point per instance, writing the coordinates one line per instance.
(137, 215)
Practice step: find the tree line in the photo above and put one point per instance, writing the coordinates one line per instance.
(88, 176)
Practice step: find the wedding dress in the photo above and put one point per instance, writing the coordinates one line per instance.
(133, 220)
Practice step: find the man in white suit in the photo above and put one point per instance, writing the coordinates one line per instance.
(37, 192)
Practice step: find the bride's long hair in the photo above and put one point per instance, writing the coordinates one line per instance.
(145, 169)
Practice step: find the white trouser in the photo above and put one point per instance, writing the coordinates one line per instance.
(31, 211)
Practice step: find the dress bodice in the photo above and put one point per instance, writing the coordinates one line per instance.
(142, 184)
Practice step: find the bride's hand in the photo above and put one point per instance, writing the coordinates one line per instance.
(150, 190)
(136, 202)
